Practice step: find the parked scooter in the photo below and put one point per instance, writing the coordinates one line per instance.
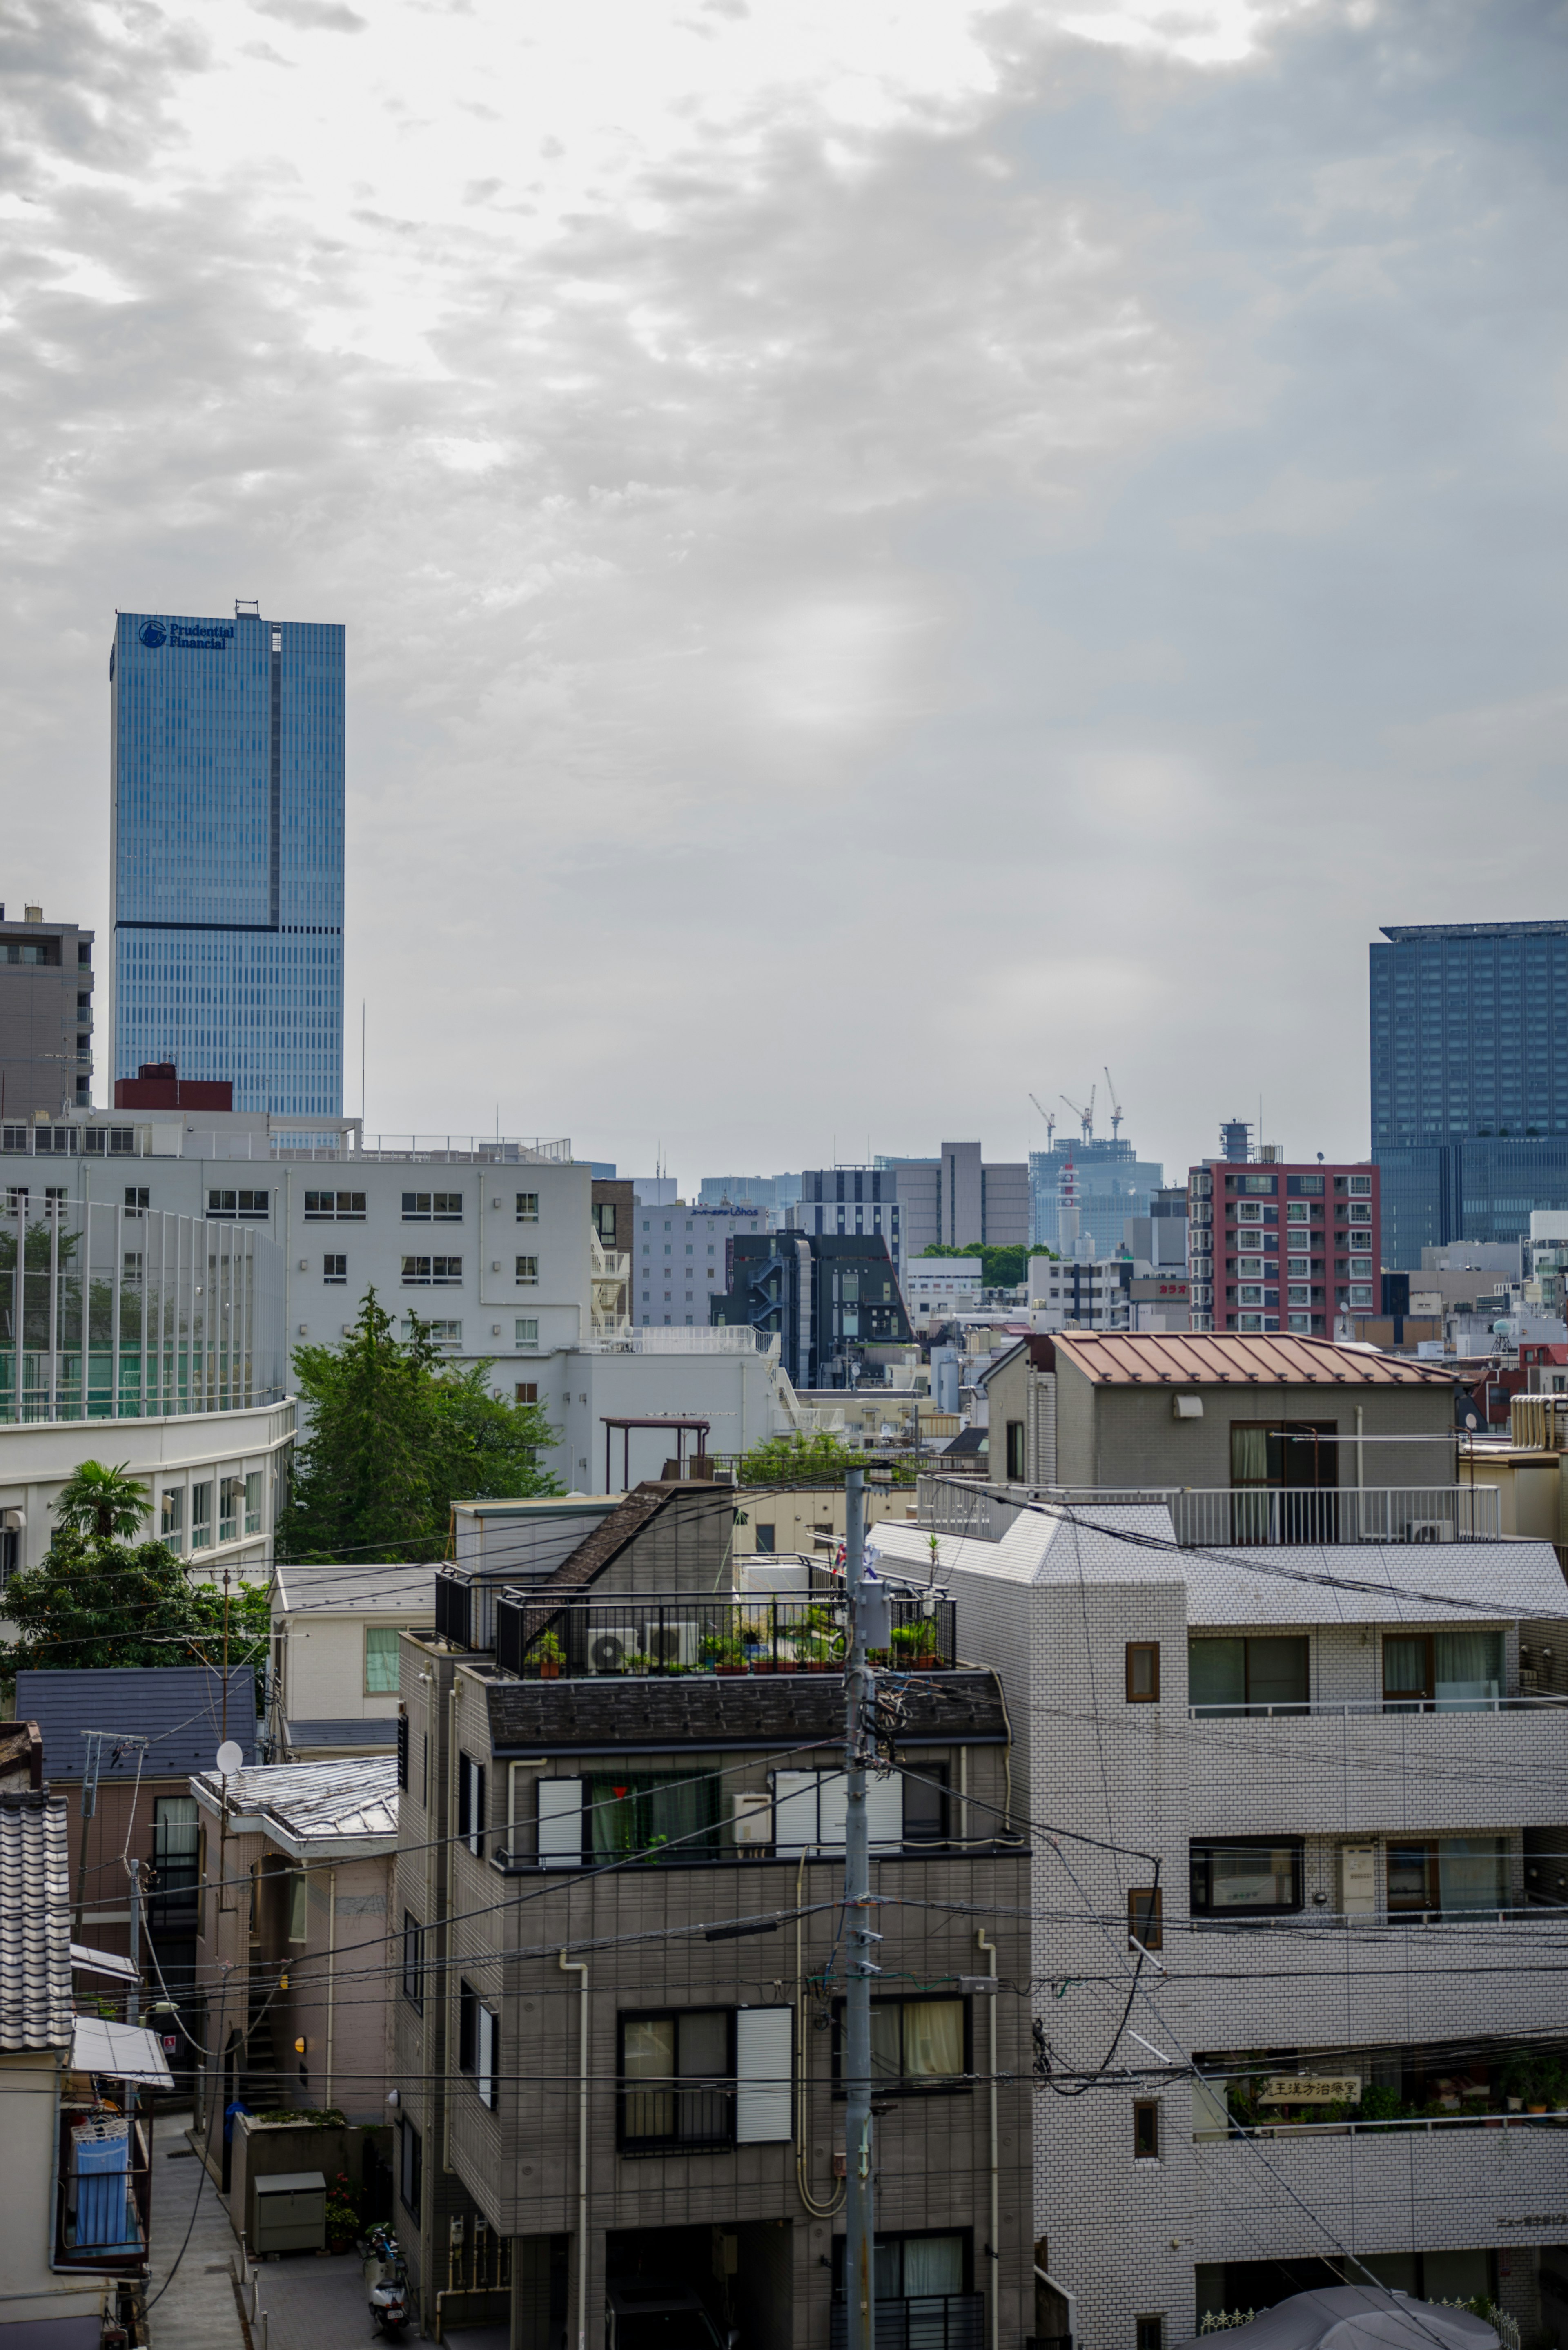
(387, 2283)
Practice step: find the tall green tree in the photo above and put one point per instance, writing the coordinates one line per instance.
(999, 1267)
(92, 1601)
(394, 1435)
(107, 1503)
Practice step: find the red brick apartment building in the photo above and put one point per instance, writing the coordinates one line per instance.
(1274, 1245)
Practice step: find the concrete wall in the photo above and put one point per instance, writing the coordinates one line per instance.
(267, 2149)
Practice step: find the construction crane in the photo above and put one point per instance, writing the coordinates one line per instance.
(1050, 1117)
(1084, 1116)
(1116, 1109)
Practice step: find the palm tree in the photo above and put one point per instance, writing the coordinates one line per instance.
(102, 1501)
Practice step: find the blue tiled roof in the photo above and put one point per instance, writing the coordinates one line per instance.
(178, 1709)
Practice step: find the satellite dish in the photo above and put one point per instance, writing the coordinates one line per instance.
(230, 1757)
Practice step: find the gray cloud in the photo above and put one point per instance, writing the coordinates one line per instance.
(855, 609)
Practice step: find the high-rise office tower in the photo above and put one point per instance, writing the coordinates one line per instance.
(1469, 1080)
(227, 791)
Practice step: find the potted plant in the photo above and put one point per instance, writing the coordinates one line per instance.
(758, 1646)
(915, 1645)
(342, 2214)
(550, 1656)
(727, 1657)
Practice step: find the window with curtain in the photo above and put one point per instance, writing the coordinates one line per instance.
(644, 1817)
(1448, 1876)
(676, 2072)
(910, 2268)
(1248, 1456)
(381, 1660)
(915, 2043)
(1457, 1670)
(1273, 1669)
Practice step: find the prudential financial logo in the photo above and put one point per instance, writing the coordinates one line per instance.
(153, 634)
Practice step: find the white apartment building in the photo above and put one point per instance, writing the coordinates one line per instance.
(1299, 1877)
(679, 1254)
(936, 1288)
(1087, 1293)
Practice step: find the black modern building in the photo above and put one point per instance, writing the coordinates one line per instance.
(1469, 1080)
(827, 1299)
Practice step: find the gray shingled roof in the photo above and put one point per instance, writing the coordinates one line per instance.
(179, 1709)
(36, 2010)
(694, 1710)
(345, 1730)
(309, 1805)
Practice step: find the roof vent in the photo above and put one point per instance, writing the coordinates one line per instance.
(32, 914)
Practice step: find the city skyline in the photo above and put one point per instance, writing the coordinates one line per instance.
(1039, 534)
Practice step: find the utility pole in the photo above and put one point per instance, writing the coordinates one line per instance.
(868, 1628)
(133, 2001)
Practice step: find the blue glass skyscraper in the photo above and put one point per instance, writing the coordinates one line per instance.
(1469, 1080)
(227, 792)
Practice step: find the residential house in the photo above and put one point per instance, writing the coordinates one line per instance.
(621, 1998)
(120, 1744)
(73, 2166)
(333, 1688)
(295, 1949)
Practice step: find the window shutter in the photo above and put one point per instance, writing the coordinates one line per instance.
(560, 1824)
(764, 2091)
(403, 1751)
(884, 1809)
(476, 1812)
(794, 1812)
(832, 1807)
(462, 1796)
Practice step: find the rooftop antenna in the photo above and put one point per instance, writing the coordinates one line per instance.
(1084, 1116)
(1116, 1109)
(1050, 1117)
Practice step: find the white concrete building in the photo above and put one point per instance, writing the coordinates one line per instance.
(333, 1688)
(936, 1288)
(1298, 1886)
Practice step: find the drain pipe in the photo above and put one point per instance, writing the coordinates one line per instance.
(580, 1967)
(1043, 2276)
(331, 1966)
(993, 2314)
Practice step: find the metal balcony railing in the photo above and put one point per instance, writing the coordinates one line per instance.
(1480, 2119)
(1528, 1702)
(677, 1634)
(1224, 1517)
(925, 2321)
(103, 2193)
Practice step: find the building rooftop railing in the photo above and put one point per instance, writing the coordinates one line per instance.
(1480, 2119)
(1249, 1517)
(638, 1637)
(1527, 1701)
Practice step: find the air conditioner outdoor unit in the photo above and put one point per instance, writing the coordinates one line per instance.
(665, 1644)
(1425, 1530)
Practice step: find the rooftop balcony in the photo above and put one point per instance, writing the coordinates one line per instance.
(658, 1637)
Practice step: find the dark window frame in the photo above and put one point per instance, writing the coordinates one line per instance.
(1146, 2130)
(472, 1824)
(1198, 1851)
(1145, 1917)
(413, 1967)
(946, 2085)
(697, 2142)
(1143, 1648)
(410, 2167)
(929, 1784)
(1017, 1451)
(1281, 1705)
(901, 2236)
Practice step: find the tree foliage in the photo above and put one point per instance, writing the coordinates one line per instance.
(395, 1434)
(1000, 1268)
(108, 1503)
(796, 1459)
(92, 1602)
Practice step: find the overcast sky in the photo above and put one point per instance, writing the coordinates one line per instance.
(893, 554)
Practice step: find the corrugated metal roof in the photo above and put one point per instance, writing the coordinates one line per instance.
(36, 2010)
(314, 1802)
(179, 1709)
(1205, 1358)
(395, 1589)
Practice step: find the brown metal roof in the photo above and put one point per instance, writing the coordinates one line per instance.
(1214, 1358)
